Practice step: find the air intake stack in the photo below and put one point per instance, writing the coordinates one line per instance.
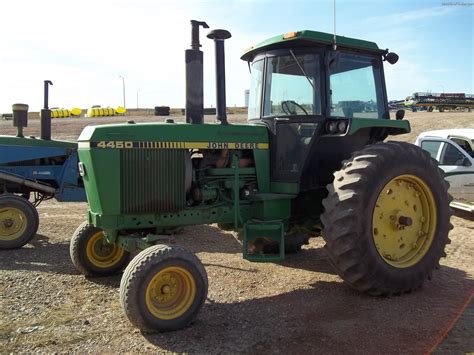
(46, 114)
(194, 77)
(20, 118)
(219, 36)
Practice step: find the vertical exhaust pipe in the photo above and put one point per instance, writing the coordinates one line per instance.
(219, 36)
(194, 77)
(46, 114)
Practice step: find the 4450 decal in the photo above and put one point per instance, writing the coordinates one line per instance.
(171, 145)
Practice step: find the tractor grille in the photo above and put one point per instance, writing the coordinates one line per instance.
(152, 180)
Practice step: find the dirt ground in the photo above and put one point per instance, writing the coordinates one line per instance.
(299, 305)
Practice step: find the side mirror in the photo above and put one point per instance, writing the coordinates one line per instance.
(466, 162)
(391, 57)
(400, 114)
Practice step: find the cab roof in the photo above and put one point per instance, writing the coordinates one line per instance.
(310, 38)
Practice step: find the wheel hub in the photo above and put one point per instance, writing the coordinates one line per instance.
(404, 221)
(102, 254)
(12, 223)
(8, 222)
(170, 293)
(399, 221)
(102, 249)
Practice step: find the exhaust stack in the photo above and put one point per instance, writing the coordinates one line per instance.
(194, 77)
(46, 114)
(219, 36)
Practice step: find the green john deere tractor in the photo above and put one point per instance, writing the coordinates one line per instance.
(311, 161)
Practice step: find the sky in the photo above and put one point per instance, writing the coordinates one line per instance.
(84, 46)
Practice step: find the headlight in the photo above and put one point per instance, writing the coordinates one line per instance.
(342, 126)
(332, 127)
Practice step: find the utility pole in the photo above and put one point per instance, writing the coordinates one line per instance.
(137, 97)
(123, 87)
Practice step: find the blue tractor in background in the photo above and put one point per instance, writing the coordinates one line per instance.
(33, 170)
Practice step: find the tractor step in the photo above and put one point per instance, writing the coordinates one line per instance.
(264, 241)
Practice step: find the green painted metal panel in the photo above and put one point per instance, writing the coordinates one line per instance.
(273, 207)
(102, 180)
(394, 126)
(188, 216)
(262, 165)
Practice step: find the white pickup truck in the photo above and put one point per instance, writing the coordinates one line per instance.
(454, 151)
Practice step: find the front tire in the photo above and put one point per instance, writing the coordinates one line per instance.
(163, 288)
(92, 255)
(19, 221)
(387, 218)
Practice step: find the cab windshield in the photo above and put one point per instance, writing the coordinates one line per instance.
(287, 83)
(292, 85)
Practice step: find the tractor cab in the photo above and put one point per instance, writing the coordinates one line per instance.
(309, 91)
(301, 74)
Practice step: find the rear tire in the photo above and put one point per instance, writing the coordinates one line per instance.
(19, 221)
(387, 218)
(92, 255)
(163, 288)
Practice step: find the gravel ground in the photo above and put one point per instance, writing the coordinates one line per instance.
(299, 305)
(461, 337)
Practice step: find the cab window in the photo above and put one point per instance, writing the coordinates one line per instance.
(255, 92)
(356, 87)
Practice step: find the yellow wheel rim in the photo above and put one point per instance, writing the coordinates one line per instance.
(102, 254)
(404, 221)
(13, 223)
(170, 293)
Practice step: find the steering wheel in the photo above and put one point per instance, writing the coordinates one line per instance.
(285, 106)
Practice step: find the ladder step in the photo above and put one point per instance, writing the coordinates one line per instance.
(264, 241)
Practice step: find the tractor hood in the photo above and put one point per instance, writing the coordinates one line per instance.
(174, 135)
